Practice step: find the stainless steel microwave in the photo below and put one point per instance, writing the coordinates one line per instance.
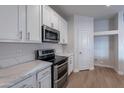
(50, 35)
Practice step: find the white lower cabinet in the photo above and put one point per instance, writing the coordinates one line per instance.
(44, 82)
(44, 78)
(41, 79)
(70, 65)
(29, 82)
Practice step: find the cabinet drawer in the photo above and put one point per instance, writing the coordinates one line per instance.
(26, 83)
(43, 73)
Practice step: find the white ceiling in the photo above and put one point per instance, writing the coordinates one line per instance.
(96, 11)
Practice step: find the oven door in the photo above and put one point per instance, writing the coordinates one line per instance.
(50, 35)
(60, 75)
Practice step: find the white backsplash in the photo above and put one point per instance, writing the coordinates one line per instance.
(12, 54)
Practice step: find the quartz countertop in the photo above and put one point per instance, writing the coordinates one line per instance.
(12, 75)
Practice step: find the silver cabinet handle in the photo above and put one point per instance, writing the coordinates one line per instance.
(63, 40)
(20, 35)
(39, 85)
(28, 35)
(52, 25)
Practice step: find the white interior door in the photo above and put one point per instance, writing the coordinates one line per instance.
(85, 42)
(83, 50)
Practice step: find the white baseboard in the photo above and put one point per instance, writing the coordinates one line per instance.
(91, 68)
(119, 72)
(76, 70)
(104, 66)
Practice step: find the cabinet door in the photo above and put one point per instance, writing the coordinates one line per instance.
(61, 30)
(22, 21)
(47, 15)
(45, 82)
(54, 20)
(65, 40)
(70, 65)
(33, 22)
(9, 22)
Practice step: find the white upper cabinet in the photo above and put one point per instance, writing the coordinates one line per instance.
(63, 31)
(50, 17)
(9, 23)
(54, 20)
(33, 23)
(20, 23)
(47, 16)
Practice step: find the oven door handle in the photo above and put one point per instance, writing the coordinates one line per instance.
(61, 65)
(56, 81)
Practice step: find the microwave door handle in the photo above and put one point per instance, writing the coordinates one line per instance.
(44, 33)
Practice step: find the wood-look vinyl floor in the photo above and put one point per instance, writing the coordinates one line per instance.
(100, 77)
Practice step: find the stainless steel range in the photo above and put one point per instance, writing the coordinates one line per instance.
(59, 67)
